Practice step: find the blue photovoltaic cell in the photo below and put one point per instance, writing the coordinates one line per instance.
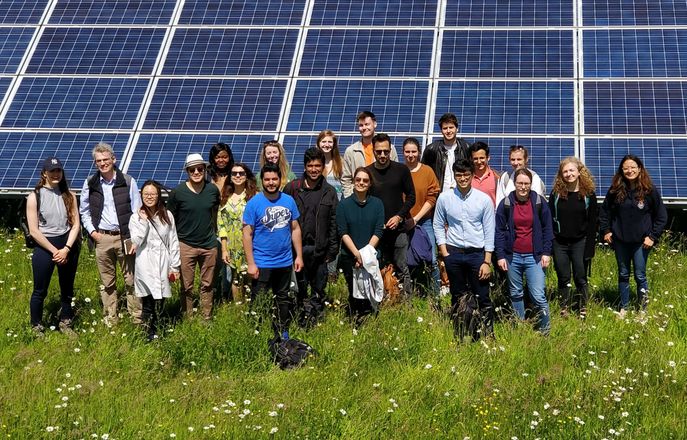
(507, 54)
(231, 52)
(509, 107)
(13, 44)
(161, 156)
(634, 12)
(374, 13)
(635, 107)
(113, 12)
(243, 12)
(214, 104)
(368, 52)
(97, 51)
(664, 159)
(22, 11)
(398, 105)
(22, 154)
(510, 13)
(92, 103)
(635, 53)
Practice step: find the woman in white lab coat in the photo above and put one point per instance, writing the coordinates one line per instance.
(155, 241)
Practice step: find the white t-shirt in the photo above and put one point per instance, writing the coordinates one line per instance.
(449, 181)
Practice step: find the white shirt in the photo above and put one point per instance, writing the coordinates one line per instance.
(449, 181)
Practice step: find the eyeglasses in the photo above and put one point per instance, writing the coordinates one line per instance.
(361, 180)
(196, 169)
(383, 152)
(463, 175)
(149, 196)
(238, 173)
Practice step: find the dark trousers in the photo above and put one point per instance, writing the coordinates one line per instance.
(463, 274)
(394, 247)
(314, 274)
(151, 309)
(279, 280)
(43, 267)
(359, 307)
(567, 254)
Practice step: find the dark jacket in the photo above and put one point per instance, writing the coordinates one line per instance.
(570, 223)
(435, 156)
(630, 221)
(542, 233)
(120, 194)
(326, 239)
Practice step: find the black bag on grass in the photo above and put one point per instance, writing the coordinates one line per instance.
(467, 318)
(290, 353)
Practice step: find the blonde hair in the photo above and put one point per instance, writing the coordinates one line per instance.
(586, 180)
(282, 163)
(337, 162)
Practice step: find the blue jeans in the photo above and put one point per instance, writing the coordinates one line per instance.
(626, 253)
(426, 225)
(525, 264)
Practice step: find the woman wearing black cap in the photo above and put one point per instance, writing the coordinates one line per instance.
(53, 219)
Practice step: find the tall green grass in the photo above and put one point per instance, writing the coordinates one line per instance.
(401, 375)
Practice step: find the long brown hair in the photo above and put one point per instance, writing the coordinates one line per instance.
(159, 208)
(620, 185)
(67, 196)
(282, 163)
(337, 162)
(586, 180)
(251, 184)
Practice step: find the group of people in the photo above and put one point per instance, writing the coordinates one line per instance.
(443, 207)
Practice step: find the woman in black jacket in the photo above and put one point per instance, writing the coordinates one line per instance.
(575, 219)
(632, 219)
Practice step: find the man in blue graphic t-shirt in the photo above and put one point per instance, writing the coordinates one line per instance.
(270, 231)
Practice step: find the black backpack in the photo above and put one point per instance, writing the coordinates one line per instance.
(290, 353)
(23, 222)
(467, 319)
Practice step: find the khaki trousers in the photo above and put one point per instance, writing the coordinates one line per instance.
(206, 259)
(108, 252)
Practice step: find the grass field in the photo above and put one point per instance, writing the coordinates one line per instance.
(401, 375)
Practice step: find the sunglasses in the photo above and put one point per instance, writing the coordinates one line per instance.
(383, 152)
(196, 169)
(361, 180)
(238, 173)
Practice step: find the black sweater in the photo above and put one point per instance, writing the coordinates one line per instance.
(394, 186)
(575, 219)
(632, 220)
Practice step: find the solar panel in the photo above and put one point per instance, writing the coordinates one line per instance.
(22, 11)
(664, 159)
(634, 12)
(22, 154)
(216, 104)
(374, 13)
(13, 44)
(510, 13)
(635, 107)
(398, 105)
(368, 52)
(113, 12)
(90, 103)
(635, 53)
(507, 54)
(97, 51)
(243, 12)
(161, 156)
(526, 107)
(231, 52)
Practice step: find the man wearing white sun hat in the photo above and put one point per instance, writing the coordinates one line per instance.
(194, 204)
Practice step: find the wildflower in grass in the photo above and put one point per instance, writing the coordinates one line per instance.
(420, 319)
(172, 435)
(274, 430)
(343, 412)
(428, 366)
(273, 414)
(50, 428)
(190, 429)
(280, 405)
(246, 402)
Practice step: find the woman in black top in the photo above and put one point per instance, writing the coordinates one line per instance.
(632, 219)
(575, 216)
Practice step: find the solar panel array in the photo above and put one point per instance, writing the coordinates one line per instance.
(159, 79)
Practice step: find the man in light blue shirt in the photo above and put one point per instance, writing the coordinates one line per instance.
(464, 229)
(108, 198)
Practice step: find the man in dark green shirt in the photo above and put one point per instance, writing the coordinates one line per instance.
(194, 205)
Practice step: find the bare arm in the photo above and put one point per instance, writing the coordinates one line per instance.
(32, 220)
(297, 245)
(253, 271)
